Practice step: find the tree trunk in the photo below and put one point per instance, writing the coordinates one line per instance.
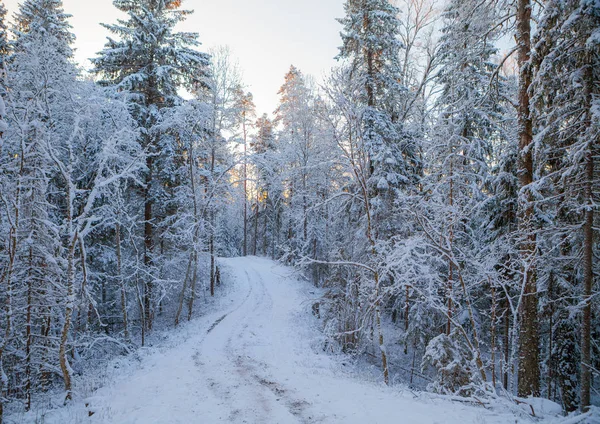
(588, 280)
(184, 290)
(245, 250)
(265, 241)
(121, 281)
(493, 337)
(256, 222)
(28, 335)
(450, 283)
(193, 286)
(148, 245)
(9, 312)
(384, 361)
(196, 238)
(64, 361)
(529, 372)
(212, 228)
(7, 276)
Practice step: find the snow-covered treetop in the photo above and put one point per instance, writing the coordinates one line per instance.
(265, 137)
(371, 27)
(294, 103)
(3, 34)
(43, 18)
(150, 59)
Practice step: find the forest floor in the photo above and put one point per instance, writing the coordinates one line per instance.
(257, 358)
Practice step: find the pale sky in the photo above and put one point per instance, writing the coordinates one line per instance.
(267, 36)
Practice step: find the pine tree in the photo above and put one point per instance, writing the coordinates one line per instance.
(246, 113)
(371, 44)
(37, 18)
(470, 111)
(40, 63)
(297, 145)
(567, 125)
(371, 48)
(152, 62)
(266, 183)
(4, 44)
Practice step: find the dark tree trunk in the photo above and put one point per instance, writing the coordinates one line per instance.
(588, 280)
(148, 245)
(529, 372)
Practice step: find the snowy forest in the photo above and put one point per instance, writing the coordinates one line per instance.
(439, 189)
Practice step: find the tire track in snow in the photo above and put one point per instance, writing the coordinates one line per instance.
(234, 381)
(296, 406)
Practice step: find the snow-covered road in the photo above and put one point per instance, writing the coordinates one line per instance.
(256, 361)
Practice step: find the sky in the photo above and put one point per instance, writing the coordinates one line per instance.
(266, 36)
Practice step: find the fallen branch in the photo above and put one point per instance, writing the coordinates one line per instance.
(519, 402)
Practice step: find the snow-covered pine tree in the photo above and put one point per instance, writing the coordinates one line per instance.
(371, 49)
(356, 254)
(37, 73)
(152, 62)
(372, 46)
(567, 120)
(4, 43)
(37, 17)
(307, 155)
(268, 187)
(296, 141)
(245, 117)
(470, 112)
(68, 145)
(224, 80)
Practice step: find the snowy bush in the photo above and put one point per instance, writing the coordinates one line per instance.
(456, 372)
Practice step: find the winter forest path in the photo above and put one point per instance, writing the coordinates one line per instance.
(259, 361)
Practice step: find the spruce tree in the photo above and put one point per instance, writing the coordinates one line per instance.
(38, 18)
(372, 46)
(39, 76)
(567, 121)
(4, 44)
(152, 62)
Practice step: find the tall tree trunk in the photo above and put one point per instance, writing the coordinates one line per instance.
(381, 341)
(63, 359)
(28, 334)
(256, 222)
(588, 249)
(245, 250)
(588, 280)
(212, 229)
(265, 240)
(9, 312)
(529, 372)
(148, 245)
(7, 276)
(450, 283)
(493, 336)
(196, 238)
(193, 286)
(184, 290)
(121, 281)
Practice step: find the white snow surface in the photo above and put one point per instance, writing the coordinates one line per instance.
(258, 360)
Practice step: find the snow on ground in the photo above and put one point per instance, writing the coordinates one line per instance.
(254, 361)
